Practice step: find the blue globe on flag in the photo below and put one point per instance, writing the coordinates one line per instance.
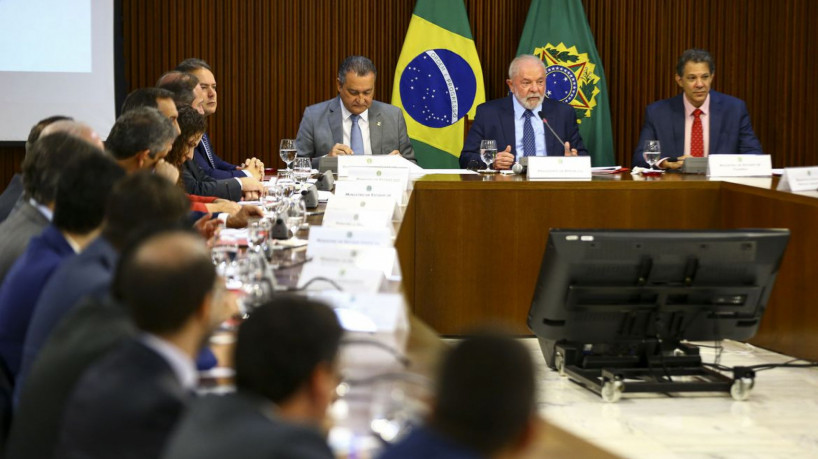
(437, 88)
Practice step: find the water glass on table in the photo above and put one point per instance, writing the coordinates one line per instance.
(488, 152)
(287, 151)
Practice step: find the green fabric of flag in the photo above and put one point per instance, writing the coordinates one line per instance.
(438, 81)
(557, 32)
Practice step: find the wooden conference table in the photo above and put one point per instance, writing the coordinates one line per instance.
(470, 246)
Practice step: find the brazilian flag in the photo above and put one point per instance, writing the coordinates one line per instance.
(438, 81)
(557, 32)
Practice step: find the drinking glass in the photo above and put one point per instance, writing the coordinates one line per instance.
(296, 215)
(257, 234)
(488, 151)
(287, 151)
(286, 183)
(302, 170)
(652, 152)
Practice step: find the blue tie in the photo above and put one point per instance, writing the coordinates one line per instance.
(356, 139)
(206, 145)
(529, 146)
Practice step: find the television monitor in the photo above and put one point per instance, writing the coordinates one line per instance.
(619, 288)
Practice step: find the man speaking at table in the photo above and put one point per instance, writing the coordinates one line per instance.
(699, 122)
(353, 123)
(525, 123)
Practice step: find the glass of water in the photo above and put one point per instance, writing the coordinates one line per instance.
(302, 170)
(488, 151)
(652, 152)
(287, 151)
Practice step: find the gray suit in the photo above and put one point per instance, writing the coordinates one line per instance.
(242, 425)
(24, 222)
(321, 128)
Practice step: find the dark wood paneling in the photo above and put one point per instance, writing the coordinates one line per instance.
(273, 58)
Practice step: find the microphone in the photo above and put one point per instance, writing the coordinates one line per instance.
(544, 120)
(520, 167)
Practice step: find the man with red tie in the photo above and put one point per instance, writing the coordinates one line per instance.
(699, 122)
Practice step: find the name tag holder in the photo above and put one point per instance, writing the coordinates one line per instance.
(739, 166)
(559, 167)
(799, 179)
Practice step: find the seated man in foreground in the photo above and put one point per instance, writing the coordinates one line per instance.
(285, 361)
(699, 122)
(518, 122)
(485, 405)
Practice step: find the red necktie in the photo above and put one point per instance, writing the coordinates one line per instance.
(697, 135)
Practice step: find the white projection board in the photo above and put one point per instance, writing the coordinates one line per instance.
(56, 58)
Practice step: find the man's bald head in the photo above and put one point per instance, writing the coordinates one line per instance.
(76, 129)
(164, 281)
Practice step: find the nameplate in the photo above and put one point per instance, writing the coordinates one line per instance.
(357, 218)
(381, 161)
(366, 313)
(559, 167)
(380, 174)
(799, 179)
(352, 236)
(345, 202)
(739, 165)
(368, 189)
(348, 278)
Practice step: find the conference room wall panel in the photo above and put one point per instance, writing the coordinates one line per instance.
(273, 58)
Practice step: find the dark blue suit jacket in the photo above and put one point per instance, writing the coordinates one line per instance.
(219, 168)
(730, 128)
(21, 290)
(495, 120)
(124, 406)
(428, 444)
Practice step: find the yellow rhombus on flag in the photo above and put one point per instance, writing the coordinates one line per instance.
(438, 81)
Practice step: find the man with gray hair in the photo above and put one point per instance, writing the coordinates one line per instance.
(522, 123)
(140, 139)
(204, 155)
(353, 123)
(699, 122)
(185, 89)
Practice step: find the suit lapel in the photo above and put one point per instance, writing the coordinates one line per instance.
(375, 137)
(507, 126)
(334, 120)
(208, 150)
(678, 124)
(714, 118)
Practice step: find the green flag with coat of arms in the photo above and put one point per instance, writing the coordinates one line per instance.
(438, 81)
(557, 32)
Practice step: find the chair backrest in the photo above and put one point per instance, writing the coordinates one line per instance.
(466, 126)
(6, 393)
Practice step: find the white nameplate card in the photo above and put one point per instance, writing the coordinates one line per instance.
(799, 179)
(348, 278)
(559, 167)
(357, 218)
(367, 313)
(383, 259)
(381, 161)
(378, 174)
(739, 165)
(348, 203)
(350, 236)
(369, 189)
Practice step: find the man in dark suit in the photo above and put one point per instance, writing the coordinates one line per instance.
(138, 201)
(485, 404)
(285, 379)
(204, 155)
(127, 404)
(515, 123)
(41, 173)
(353, 123)
(84, 186)
(699, 122)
